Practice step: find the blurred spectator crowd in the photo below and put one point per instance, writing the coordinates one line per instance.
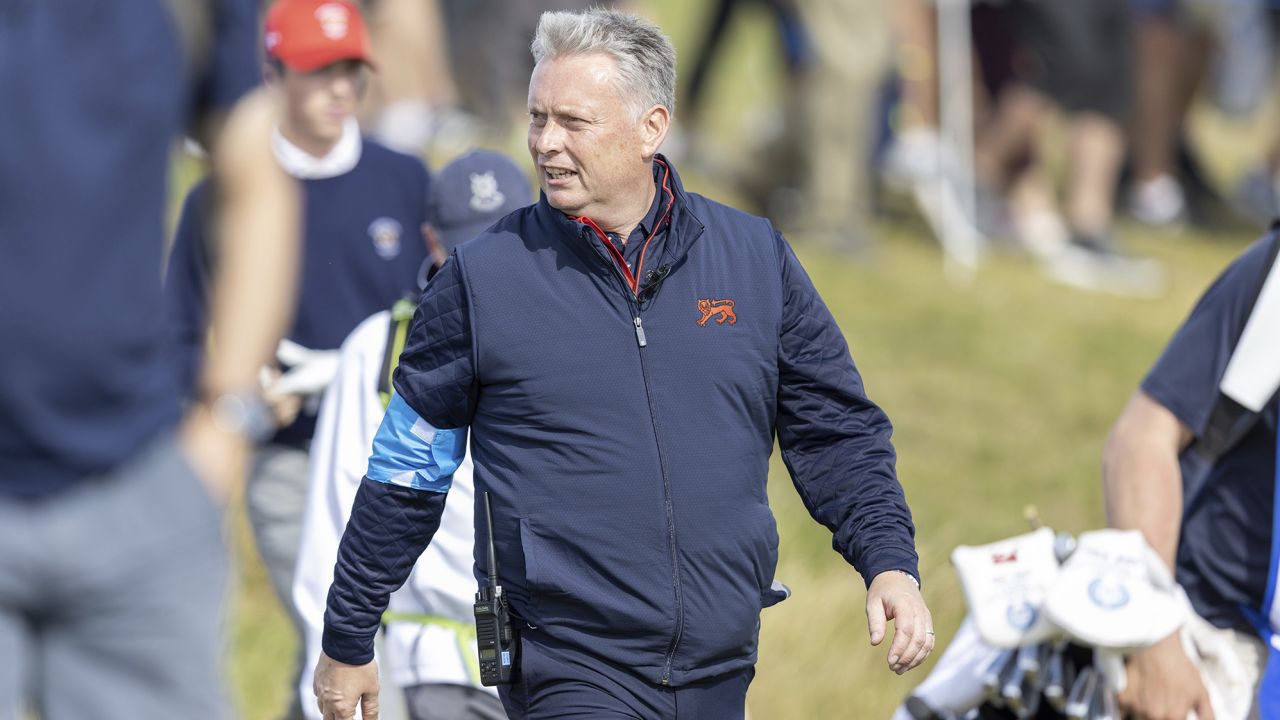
(1070, 113)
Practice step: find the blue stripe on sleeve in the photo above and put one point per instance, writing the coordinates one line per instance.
(409, 452)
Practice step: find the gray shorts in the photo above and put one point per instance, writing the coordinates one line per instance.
(111, 597)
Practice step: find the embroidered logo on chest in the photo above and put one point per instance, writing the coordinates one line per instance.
(721, 310)
(385, 234)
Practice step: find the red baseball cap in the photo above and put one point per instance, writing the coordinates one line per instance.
(306, 35)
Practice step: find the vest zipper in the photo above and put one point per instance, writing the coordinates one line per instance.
(668, 503)
(633, 304)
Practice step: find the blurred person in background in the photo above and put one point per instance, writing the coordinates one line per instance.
(429, 636)
(914, 152)
(839, 96)
(413, 100)
(1036, 57)
(361, 251)
(112, 562)
(489, 51)
(1191, 462)
(811, 173)
(623, 353)
(1243, 76)
(1178, 45)
(771, 130)
(791, 34)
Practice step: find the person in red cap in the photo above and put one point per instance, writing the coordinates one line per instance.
(317, 54)
(362, 251)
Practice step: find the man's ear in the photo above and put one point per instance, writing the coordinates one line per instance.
(654, 124)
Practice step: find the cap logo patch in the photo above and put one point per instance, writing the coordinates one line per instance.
(335, 20)
(385, 233)
(721, 310)
(485, 195)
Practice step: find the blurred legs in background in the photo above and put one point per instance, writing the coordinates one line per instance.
(415, 100)
(839, 109)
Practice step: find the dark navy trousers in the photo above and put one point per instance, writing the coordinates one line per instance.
(560, 681)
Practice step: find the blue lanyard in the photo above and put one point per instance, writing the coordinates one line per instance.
(1267, 621)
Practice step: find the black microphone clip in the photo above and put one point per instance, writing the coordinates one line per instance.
(653, 280)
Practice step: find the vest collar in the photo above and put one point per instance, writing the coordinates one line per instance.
(684, 228)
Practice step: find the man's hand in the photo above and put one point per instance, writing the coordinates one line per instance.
(340, 688)
(1163, 683)
(284, 406)
(218, 456)
(894, 596)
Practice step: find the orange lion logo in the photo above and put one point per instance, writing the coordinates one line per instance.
(721, 310)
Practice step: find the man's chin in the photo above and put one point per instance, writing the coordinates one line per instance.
(564, 201)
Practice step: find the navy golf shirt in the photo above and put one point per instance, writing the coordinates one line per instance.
(362, 251)
(1225, 546)
(93, 96)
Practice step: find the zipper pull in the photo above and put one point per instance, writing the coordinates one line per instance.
(640, 333)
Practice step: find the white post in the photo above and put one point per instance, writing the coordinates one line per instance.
(962, 244)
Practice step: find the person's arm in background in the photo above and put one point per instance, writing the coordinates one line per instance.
(1141, 477)
(256, 231)
(836, 445)
(1142, 489)
(255, 215)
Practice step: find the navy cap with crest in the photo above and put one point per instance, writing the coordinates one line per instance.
(473, 192)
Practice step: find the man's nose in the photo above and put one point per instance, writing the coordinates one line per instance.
(344, 84)
(549, 138)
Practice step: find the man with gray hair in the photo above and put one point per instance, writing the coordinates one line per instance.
(623, 353)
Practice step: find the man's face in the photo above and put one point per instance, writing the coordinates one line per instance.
(589, 149)
(319, 103)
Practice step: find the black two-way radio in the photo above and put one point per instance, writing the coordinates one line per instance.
(494, 639)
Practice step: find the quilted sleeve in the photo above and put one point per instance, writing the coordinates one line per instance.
(835, 441)
(390, 526)
(436, 375)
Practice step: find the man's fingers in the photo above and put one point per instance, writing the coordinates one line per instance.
(336, 711)
(903, 633)
(369, 705)
(875, 620)
(926, 647)
(1204, 710)
(913, 637)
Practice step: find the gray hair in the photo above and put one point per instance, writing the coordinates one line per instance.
(646, 60)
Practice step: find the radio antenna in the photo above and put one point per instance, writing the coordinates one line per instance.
(493, 556)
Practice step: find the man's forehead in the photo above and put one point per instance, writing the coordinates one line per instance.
(596, 69)
(574, 83)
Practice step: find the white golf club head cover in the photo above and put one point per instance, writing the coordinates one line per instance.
(1114, 593)
(1005, 584)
